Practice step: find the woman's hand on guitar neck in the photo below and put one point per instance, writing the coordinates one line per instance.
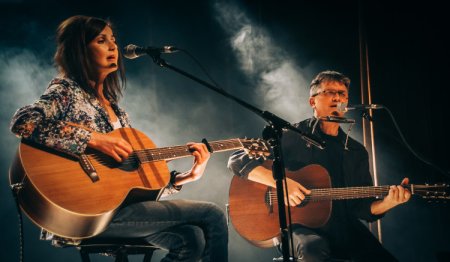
(116, 147)
(201, 157)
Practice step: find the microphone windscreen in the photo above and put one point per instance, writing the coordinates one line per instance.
(342, 107)
(129, 51)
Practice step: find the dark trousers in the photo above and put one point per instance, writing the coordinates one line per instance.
(309, 246)
(189, 230)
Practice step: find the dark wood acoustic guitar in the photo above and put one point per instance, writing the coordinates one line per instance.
(254, 212)
(76, 198)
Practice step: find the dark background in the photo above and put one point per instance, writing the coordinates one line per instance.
(265, 52)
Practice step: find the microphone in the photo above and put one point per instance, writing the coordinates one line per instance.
(337, 119)
(132, 51)
(344, 107)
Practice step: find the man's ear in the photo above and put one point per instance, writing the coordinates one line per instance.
(312, 102)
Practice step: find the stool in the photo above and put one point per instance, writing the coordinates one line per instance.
(119, 248)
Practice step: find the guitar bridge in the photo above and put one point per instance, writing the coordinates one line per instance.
(87, 166)
(269, 199)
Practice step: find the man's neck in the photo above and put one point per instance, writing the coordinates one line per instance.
(329, 128)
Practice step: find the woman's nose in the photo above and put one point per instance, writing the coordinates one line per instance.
(112, 45)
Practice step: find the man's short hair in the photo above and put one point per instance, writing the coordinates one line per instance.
(328, 76)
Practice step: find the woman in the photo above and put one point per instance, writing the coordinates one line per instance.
(77, 110)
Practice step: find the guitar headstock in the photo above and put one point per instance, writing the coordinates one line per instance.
(432, 192)
(255, 148)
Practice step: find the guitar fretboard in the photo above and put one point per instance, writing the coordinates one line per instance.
(347, 193)
(351, 192)
(174, 152)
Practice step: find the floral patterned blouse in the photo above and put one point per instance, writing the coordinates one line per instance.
(54, 120)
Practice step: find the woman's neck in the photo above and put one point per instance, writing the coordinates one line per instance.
(97, 85)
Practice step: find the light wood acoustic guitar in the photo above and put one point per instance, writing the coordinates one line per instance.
(77, 198)
(253, 206)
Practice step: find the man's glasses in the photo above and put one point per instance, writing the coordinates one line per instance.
(332, 93)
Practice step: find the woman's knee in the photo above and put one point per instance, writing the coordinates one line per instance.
(214, 214)
(184, 242)
(193, 240)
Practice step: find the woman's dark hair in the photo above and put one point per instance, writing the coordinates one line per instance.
(72, 60)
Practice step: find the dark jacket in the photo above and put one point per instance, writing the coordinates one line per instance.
(347, 163)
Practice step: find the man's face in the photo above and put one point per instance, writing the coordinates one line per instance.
(325, 101)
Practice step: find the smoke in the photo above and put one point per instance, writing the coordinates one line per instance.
(23, 77)
(280, 83)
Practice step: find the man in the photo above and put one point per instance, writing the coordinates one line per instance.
(346, 160)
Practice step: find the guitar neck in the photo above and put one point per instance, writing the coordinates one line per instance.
(175, 152)
(351, 192)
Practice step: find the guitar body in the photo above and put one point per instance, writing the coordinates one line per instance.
(59, 196)
(253, 206)
(256, 219)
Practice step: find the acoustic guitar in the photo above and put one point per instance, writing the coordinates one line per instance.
(254, 212)
(76, 198)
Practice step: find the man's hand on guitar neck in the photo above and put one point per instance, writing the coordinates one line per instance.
(201, 157)
(397, 195)
(115, 147)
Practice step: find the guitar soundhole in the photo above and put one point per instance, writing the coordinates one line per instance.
(303, 203)
(270, 198)
(130, 164)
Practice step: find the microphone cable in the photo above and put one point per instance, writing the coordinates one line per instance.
(417, 155)
(203, 69)
(15, 188)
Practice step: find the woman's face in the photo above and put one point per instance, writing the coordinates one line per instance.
(103, 52)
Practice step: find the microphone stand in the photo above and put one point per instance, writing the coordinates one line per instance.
(273, 132)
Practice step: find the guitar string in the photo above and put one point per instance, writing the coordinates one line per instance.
(182, 150)
(164, 153)
(326, 193)
(356, 192)
(177, 149)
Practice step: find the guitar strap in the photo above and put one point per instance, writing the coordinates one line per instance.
(208, 146)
